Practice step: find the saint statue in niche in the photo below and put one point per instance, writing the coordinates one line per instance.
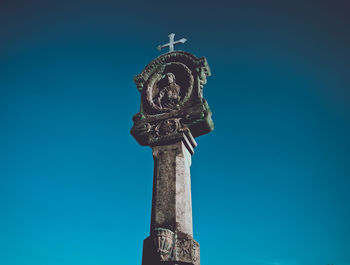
(169, 93)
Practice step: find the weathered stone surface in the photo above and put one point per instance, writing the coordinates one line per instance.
(172, 112)
(172, 102)
(167, 247)
(171, 200)
(171, 238)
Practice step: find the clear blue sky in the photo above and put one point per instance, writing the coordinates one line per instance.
(270, 183)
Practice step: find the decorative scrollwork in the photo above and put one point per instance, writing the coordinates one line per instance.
(167, 127)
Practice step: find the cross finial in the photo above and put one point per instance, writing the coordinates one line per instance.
(171, 43)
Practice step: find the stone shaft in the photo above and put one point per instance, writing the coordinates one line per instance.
(171, 237)
(171, 200)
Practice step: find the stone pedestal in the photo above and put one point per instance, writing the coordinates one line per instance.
(171, 238)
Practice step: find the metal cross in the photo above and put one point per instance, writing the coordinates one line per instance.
(171, 43)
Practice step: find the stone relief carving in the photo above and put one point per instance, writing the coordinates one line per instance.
(168, 88)
(172, 100)
(184, 249)
(169, 94)
(177, 56)
(166, 127)
(187, 250)
(164, 243)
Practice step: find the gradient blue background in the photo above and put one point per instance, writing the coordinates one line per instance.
(270, 183)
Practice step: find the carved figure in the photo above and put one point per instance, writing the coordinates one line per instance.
(169, 95)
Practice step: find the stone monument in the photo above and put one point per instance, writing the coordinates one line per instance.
(172, 112)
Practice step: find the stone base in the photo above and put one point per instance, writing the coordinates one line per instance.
(165, 247)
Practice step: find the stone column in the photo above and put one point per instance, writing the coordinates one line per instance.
(171, 202)
(171, 219)
(172, 112)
